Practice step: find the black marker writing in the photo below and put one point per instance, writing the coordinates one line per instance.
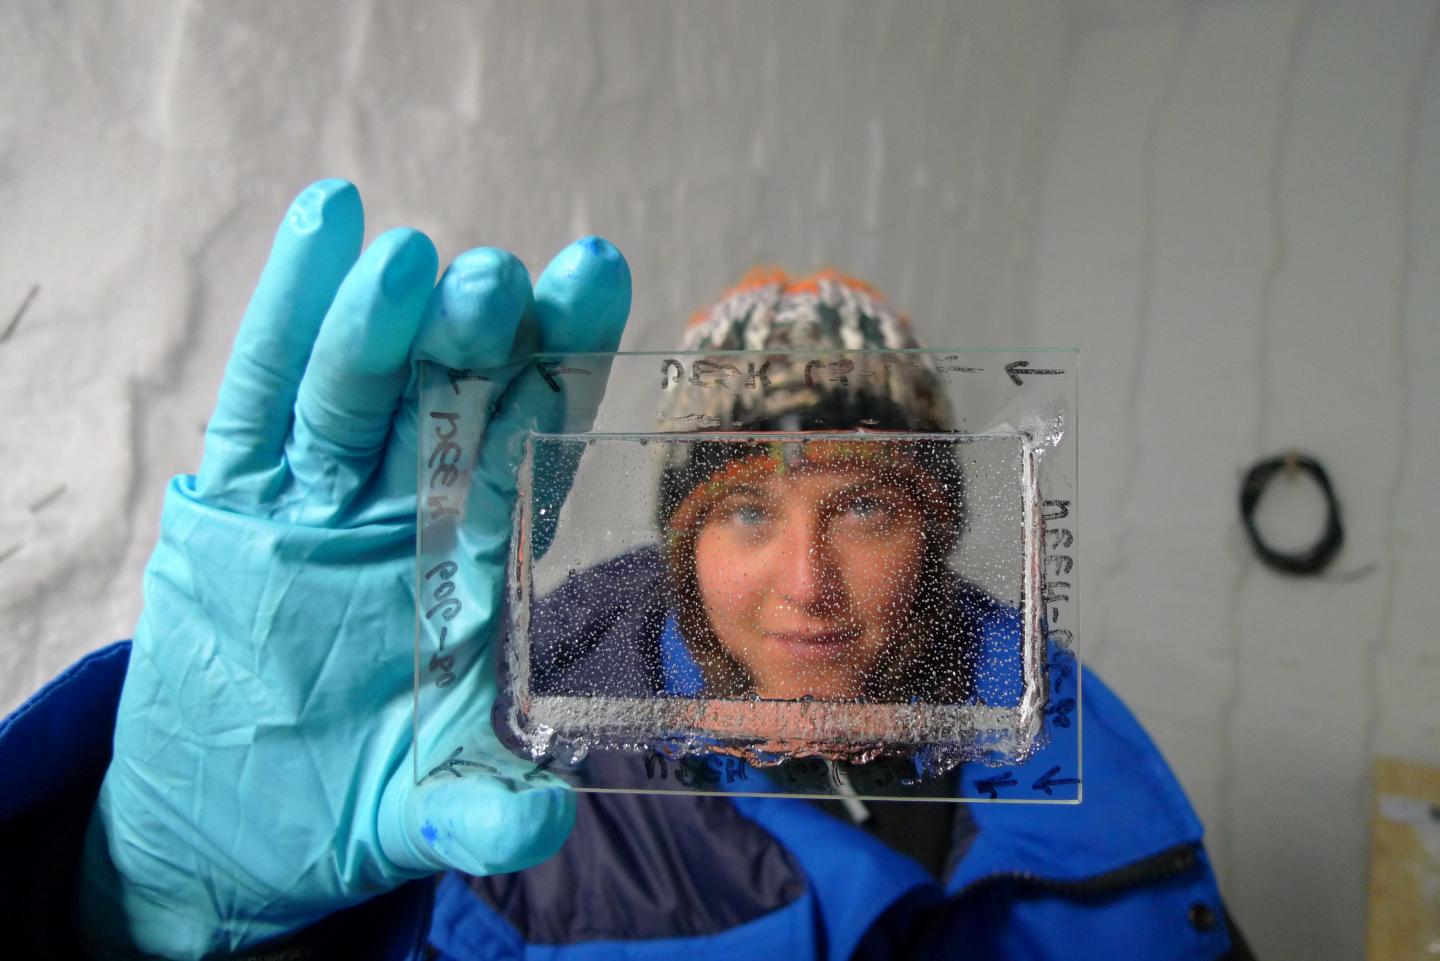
(550, 370)
(990, 786)
(948, 367)
(721, 374)
(708, 771)
(1059, 712)
(458, 377)
(454, 762)
(1018, 367)
(665, 366)
(1048, 780)
(442, 499)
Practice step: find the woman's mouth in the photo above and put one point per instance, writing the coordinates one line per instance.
(818, 642)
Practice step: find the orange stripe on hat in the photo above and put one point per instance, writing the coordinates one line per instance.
(893, 459)
(771, 275)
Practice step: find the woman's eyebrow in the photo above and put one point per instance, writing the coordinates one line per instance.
(869, 485)
(748, 489)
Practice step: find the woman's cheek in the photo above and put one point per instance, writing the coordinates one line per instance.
(727, 592)
(888, 580)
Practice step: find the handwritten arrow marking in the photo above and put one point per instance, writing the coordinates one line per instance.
(991, 785)
(1049, 780)
(1018, 367)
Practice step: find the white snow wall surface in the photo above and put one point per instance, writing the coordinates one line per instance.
(1240, 229)
(1232, 208)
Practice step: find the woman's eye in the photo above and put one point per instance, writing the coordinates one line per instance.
(748, 515)
(871, 513)
(871, 509)
(867, 507)
(744, 514)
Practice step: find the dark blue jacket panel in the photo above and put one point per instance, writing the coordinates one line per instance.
(53, 754)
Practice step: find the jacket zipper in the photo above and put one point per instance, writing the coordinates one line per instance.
(1158, 867)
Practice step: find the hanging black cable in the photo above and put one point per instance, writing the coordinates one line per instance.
(1314, 559)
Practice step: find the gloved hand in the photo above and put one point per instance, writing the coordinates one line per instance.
(262, 775)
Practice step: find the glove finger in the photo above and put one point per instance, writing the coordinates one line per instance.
(582, 301)
(472, 323)
(478, 307)
(314, 248)
(582, 298)
(478, 821)
(359, 367)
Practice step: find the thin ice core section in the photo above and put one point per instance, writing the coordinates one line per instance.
(856, 597)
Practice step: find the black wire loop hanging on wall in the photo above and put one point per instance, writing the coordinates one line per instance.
(1314, 559)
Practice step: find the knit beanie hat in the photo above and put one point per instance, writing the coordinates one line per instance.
(767, 311)
(826, 311)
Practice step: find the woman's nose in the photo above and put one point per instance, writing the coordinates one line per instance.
(806, 575)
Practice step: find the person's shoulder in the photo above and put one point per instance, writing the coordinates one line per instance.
(1122, 759)
(60, 737)
(607, 582)
(597, 631)
(1132, 807)
(1124, 870)
(54, 750)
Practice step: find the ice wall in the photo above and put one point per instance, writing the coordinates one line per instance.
(1241, 230)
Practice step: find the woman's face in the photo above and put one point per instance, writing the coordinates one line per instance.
(809, 576)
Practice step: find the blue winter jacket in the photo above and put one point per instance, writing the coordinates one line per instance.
(1121, 875)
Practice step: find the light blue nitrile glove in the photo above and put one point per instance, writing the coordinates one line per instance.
(262, 775)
